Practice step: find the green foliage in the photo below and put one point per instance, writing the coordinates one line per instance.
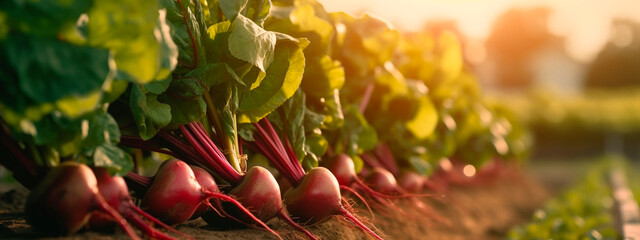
(186, 34)
(230, 69)
(323, 76)
(149, 114)
(356, 135)
(424, 122)
(363, 43)
(250, 43)
(416, 57)
(289, 119)
(256, 10)
(43, 18)
(280, 83)
(36, 74)
(594, 110)
(73, 71)
(582, 212)
(450, 57)
(136, 33)
(231, 8)
(304, 19)
(64, 62)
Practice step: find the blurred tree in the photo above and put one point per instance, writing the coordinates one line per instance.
(618, 63)
(514, 39)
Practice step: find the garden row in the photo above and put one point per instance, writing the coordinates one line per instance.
(274, 110)
(602, 205)
(593, 110)
(595, 121)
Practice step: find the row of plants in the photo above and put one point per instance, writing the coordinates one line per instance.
(585, 211)
(592, 110)
(275, 109)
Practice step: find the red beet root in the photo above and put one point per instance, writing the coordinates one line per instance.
(315, 199)
(382, 181)
(411, 181)
(175, 194)
(116, 194)
(206, 182)
(316, 194)
(342, 168)
(64, 201)
(259, 192)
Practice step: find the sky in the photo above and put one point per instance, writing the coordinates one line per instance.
(584, 23)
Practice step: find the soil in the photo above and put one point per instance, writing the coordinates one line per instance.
(475, 211)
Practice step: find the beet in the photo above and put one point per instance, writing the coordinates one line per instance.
(315, 195)
(258, 191)
(207, 182)
(116, 194)
(382, 181)
(175, 194)
(411, 181)
(263, 195)
(65, 200)
(315, 199)
(342, 167)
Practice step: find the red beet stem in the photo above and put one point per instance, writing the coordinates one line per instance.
(209, 154)
(368, 91)
(146, 229)
(242, 208)
(104, 206)
(269, 143)
(366, 204)
(191, 37)
(371, 161)
(139, 179)
(385, 156)
(158, 222)
(277, 156)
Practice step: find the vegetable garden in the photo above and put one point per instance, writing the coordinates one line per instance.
(225, 119)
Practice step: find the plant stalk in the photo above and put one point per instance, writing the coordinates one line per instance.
(229, 143)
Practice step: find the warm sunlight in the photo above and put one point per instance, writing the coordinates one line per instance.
(364, 119)
(585, 23)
